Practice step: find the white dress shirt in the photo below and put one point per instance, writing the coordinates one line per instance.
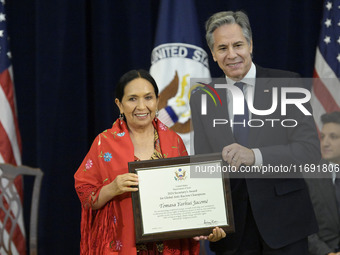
(250, 81)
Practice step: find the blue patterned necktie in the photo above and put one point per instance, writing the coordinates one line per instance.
(240, 125)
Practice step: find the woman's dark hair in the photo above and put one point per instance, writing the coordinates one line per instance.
(131, 75)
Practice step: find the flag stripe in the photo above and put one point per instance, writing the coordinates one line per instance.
(321, 91)
(6, 77)
(328, 77)
(5, 148)
(8, 122)
(321, 66)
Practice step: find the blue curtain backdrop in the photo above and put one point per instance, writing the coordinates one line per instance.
(68, 56)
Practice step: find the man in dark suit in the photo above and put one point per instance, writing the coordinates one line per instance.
(272, 215)
(323, 190)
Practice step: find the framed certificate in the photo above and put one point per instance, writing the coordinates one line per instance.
(176, 201)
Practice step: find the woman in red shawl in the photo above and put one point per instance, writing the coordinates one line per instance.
(104, 185)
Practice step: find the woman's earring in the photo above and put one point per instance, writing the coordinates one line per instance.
(156, 115)
(121, 117)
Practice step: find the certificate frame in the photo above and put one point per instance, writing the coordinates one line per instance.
(158, 165)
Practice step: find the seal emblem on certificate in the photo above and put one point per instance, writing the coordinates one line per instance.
(182, 202)
(180, 175)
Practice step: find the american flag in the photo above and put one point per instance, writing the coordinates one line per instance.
(326, 84)
(10, 142)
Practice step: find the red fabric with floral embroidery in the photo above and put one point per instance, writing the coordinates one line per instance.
(110, 230)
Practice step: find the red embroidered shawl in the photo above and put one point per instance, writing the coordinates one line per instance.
(110, 230)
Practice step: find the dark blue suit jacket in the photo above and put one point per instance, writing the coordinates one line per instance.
(322, 193)
(281, 206)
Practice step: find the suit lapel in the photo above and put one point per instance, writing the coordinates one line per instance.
(223, 113)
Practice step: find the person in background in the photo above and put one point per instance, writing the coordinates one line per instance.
(104, 184)
(325, 192)
(272, 215)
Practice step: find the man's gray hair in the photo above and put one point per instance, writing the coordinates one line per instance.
(228, 17)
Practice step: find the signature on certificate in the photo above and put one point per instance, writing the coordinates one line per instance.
(210, 222)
